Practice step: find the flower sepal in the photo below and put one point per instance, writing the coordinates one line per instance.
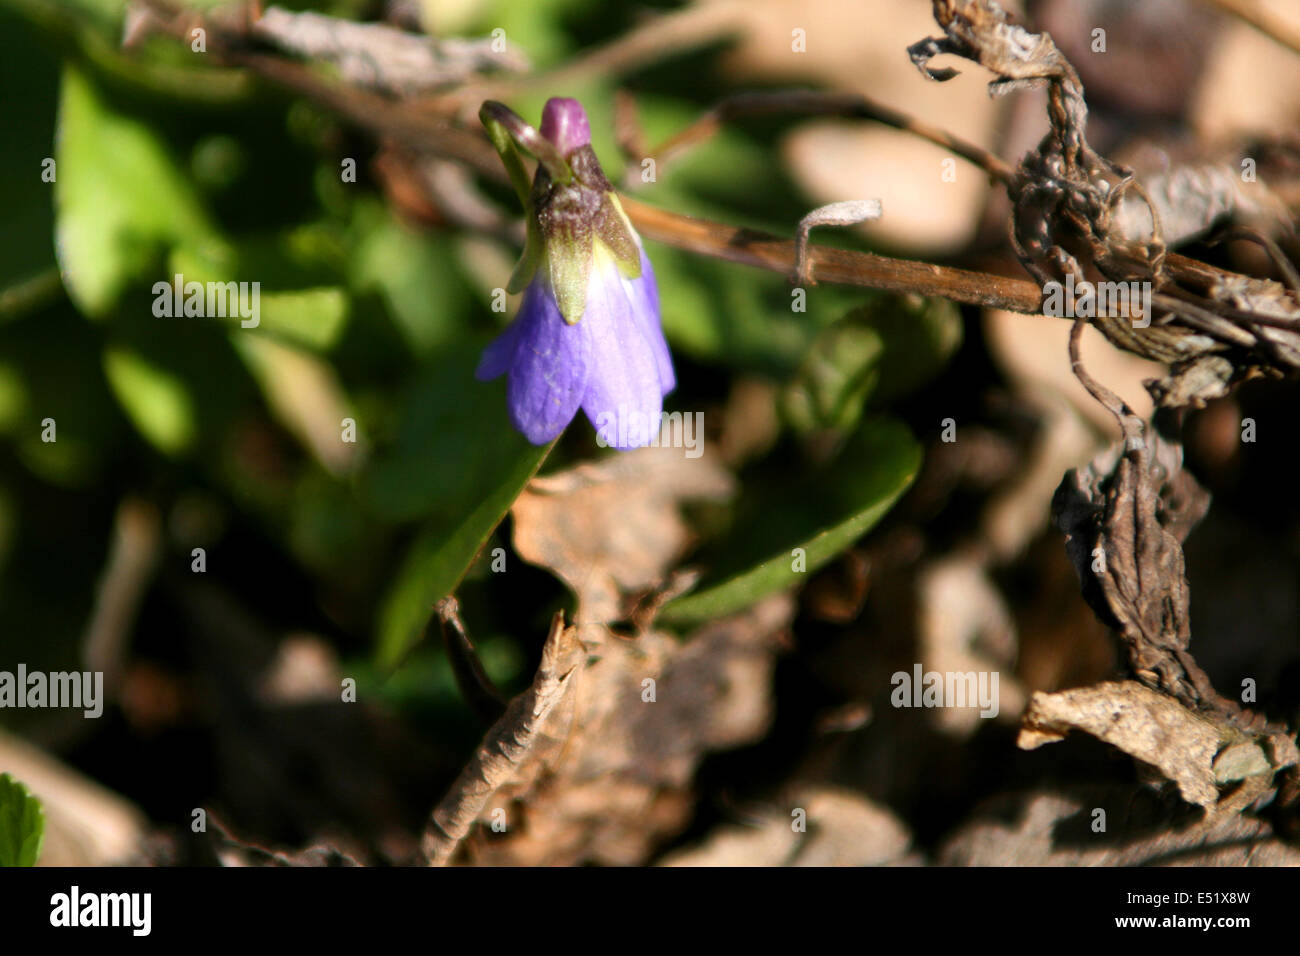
(571, 204)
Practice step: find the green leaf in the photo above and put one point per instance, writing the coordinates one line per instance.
(303, 392)
(536, 26)
(835, 378)
(413, 272)
(920, 336)
(13, 398)
(311, 317)
(875, 468)
(22, 824)
(730, 175)
(91, 31)
(873, 354)
(441, 556)
(456, 463)
(452, 439)
(120, 197)
(157, 402)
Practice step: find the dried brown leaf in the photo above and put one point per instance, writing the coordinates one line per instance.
(1198, 752)
(1125, 517)
(612, 528)
(1150, 726)
(836, 828)
(1056, 829)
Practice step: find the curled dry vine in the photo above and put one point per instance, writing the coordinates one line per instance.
(1126, 515)
(1074, 209)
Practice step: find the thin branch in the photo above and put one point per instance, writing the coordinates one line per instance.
(381, 57)
(1275, 253)
(838, 266)
(385, 118)
(132, 558)
(1130, 424)
(804, 103)
(670, 34)
(29, 294)
(473, 681)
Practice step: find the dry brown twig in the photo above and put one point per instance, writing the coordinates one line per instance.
(511, 740)
(472, 680)
(802, 104)
(381, 57)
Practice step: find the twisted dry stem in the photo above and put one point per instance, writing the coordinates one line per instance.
(1069, 213)
(1125, 532)
(496, 763)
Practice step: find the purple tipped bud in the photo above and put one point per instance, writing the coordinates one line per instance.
(564, 123)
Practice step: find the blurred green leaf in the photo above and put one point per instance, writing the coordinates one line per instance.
(876, 467)
(919, 335)
(731, 315)
(457, 462)
(534, 26)
(218, 161)
(875, 353)
(326, 529)
(453, 438)
(729, 170)
(313, 317)
(13, 398)
(92, 30)
(440, 557)
(99, 14)
(120, 197)
(835, 378)
(157, 402)
(303, 392)
(417, 276)
(22, 824)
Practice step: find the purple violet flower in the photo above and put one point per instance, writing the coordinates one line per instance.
(588, 333)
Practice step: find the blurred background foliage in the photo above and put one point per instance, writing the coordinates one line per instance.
(230, 437)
